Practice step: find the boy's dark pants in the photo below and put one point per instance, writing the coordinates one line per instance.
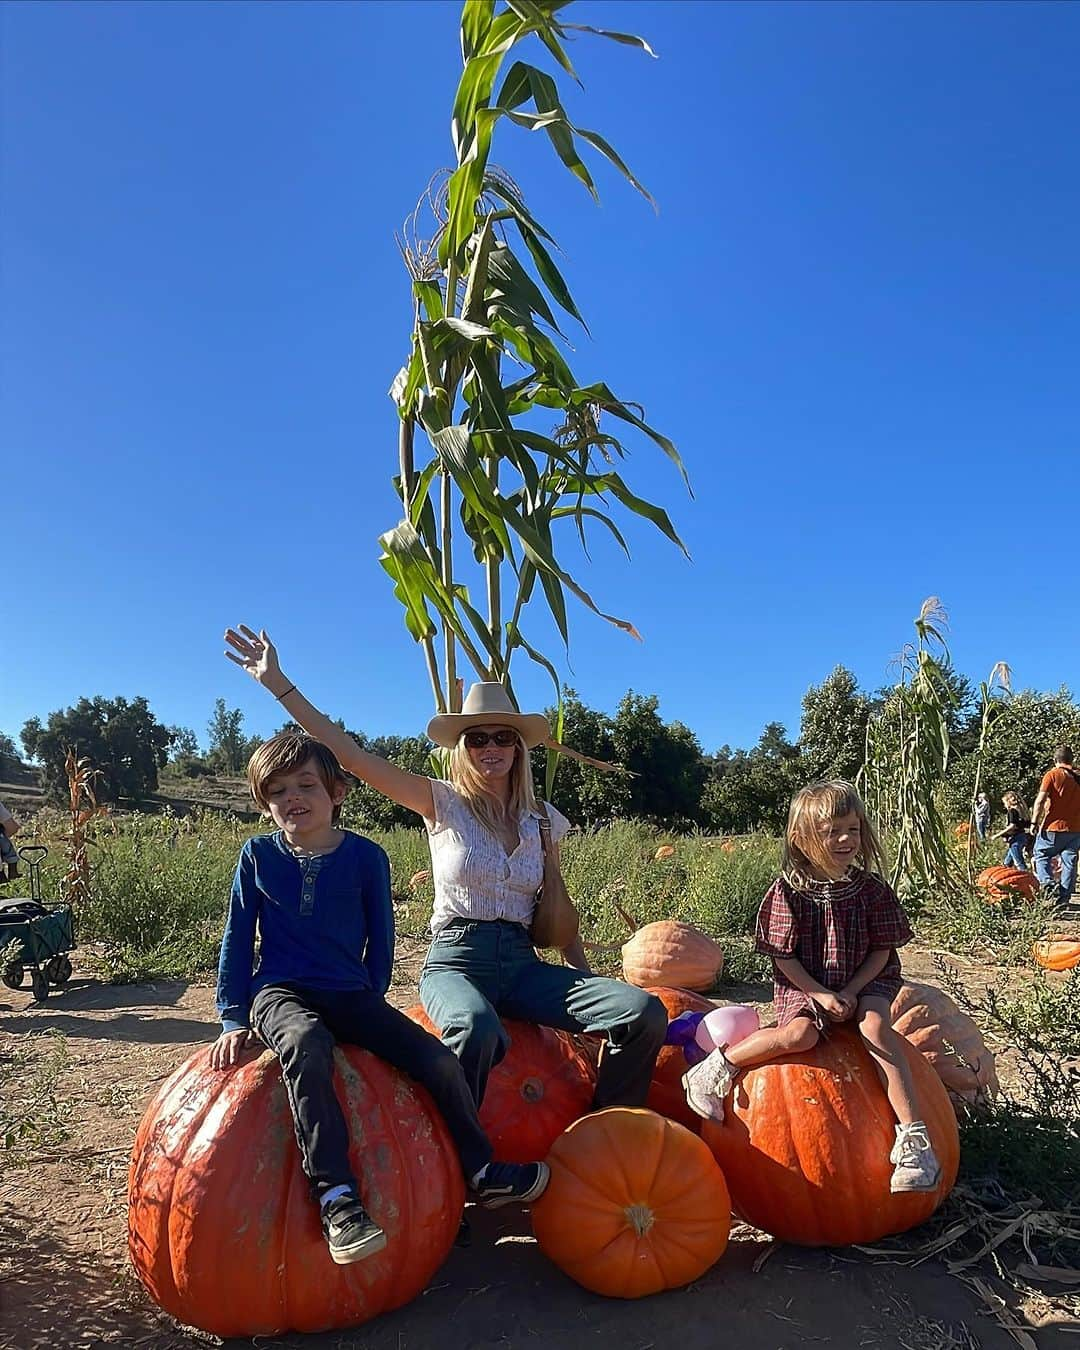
(301, 1027)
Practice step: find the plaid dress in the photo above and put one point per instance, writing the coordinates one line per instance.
(830, 929)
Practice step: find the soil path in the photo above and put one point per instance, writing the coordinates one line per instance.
(65, 1280)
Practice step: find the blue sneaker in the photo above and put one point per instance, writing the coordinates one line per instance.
(511, 1184)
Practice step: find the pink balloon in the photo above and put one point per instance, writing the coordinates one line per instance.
(726, 1026)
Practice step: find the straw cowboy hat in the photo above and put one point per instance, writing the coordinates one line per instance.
(488, 705)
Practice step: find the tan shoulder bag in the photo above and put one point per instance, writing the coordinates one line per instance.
(555, 919)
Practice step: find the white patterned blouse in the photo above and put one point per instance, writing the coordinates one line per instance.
(474, 877)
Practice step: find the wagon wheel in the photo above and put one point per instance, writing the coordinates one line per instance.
(39, 983)
(58, 969)
(13, 975)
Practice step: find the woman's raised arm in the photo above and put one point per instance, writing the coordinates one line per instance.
(255, 653)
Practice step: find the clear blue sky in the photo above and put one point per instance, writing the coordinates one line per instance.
(857, 313)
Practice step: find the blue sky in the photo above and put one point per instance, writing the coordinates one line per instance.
(857, 313)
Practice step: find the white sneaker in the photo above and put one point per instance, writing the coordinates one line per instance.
(915, 1165)
(707, 1083)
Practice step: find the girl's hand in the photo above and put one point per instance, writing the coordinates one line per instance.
(229, 1049)
(834, 1005)
(258, 656)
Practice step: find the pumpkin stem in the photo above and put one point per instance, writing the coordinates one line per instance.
(631, 923)
(640, 1217)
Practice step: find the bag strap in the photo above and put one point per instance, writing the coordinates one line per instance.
(545, 830)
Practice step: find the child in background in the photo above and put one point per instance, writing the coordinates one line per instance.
(319, 898)
(831, 925)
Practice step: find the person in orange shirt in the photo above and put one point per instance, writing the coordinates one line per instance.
(1055, 820)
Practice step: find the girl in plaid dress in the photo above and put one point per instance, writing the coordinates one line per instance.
(831, 926)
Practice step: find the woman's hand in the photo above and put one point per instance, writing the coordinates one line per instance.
(257, 655)
(229, 1049)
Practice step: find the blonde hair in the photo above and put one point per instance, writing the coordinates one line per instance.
(489, 809)
(805, 855)
(289, 750)
(1014, 800)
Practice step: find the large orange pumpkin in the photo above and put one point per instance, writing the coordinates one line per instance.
(636, 1204)
(670, 953)
(222, 1228)
(948, 1039)
(544, 1082)
(1057, 953)
(805, 1142)
(666, 1093)
(1001, 882)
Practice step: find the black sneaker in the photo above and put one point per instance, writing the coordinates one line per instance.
(350, 1231)
(512, 1184)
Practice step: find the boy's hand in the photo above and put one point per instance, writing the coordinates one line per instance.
(257, 655)
(834, 1005)
(229, 1049)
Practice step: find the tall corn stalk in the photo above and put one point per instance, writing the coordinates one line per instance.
(992, 694)
(907, 754)
(83, 806)
(484, 487)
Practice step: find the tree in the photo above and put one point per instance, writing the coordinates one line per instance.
(185, 744)
(123, 741)
(229, 748)
(585, 795)
(369, 809)
(485, 295)
(751, 790)
(666, 760)
(832, 737)
(9, 753)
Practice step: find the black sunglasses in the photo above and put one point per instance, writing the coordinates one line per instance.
(476, 740)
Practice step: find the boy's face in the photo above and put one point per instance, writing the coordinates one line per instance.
(299, 803)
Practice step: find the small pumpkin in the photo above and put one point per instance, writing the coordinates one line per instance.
(635, 1204)
(1001, 882)
(962, 830)
(1057, 953)
(805, 1140)
(222, 1229)
(664, 851)
(947, 1038)
(666, 1094)
(671, 953)
(545, 1081)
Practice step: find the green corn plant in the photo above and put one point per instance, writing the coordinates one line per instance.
(907, 754)
(486, 488)
(993, 692)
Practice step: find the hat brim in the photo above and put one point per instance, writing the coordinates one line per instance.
(446, 728)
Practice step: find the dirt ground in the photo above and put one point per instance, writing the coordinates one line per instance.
(65, 1279)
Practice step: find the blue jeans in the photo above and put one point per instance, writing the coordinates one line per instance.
(476, 971)
(1064, 844)
(1014, 854)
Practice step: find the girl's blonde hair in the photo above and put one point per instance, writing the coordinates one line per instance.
(484, 804)
(1014, 800)
(805, 855)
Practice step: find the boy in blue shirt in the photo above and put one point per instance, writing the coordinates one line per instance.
(319, 898)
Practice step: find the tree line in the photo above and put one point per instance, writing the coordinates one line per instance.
(664, 775)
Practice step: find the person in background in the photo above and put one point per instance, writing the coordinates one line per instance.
(9, 858)
(1015, 833)
(982, 815)
(1055, 820)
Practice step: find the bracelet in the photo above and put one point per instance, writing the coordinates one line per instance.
(285, 692)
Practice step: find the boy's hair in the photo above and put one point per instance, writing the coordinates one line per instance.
(287, 751)
(1063, 754)
(804, 847)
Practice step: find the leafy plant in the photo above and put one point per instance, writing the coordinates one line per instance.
(485, 361)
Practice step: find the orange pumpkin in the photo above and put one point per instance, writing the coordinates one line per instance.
(664, 851)
(544, 1082)
(962, 830)
(666, 1093)
(222, 1228)
(1001, 882)
(948, 1039)
(636, 1204)
(1057, 953)
(670, 953)
(805, 1142)
(727, 846)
